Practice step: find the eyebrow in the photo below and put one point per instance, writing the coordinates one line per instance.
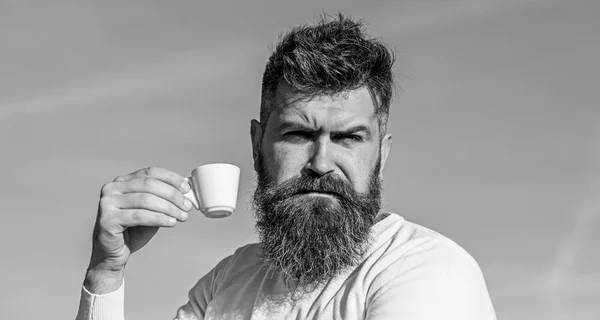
(300, 126)
(293, 126)
(355, 129)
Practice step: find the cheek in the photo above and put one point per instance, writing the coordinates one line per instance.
(359, 169)
(284, 162)
(358, 175)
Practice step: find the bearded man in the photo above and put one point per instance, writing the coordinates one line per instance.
(325, 251)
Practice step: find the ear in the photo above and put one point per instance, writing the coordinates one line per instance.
(386, 146)
(255, 137)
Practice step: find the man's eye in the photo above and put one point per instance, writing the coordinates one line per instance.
(350, 138)
(297, 135)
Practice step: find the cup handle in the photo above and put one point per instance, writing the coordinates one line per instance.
(190, 195)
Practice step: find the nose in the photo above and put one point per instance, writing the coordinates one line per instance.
(320, 162)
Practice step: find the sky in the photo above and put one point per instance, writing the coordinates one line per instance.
(496, 130)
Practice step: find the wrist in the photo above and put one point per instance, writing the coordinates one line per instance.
(102, 281)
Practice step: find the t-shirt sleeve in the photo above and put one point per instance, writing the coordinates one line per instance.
(202, 293)
(442, 282)
(109, 306)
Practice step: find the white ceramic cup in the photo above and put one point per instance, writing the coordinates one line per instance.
(214, 189)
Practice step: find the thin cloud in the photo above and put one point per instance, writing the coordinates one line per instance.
(560, 282)
(176, 70)
(568, 253)
(411, 17)
(415, 16)
(569, 250)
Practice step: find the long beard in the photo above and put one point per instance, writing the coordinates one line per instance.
(311, 239)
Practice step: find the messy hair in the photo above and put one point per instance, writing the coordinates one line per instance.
(331, 57)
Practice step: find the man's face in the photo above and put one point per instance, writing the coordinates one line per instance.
(325, 135)
(319, 164)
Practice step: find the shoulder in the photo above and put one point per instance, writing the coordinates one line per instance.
(402, 244)
(437, 249)
(243, 258)
(423, 267)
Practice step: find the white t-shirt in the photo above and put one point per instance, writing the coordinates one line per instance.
(410, 273)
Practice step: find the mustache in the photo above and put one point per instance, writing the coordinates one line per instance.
(331, 184)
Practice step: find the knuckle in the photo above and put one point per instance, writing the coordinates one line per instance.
(164, 220)
(143, 198)
(181, 201)
(104, 202)
(104, 218)
(157, 218)
(177, 196)
(136, 216)
(119, 179)
(175, 211)
(147, 182)
(106, 188)
(101, 223)
(150, 170)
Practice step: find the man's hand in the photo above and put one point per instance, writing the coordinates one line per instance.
(130, 211)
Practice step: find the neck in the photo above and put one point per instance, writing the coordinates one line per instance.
(380, 216)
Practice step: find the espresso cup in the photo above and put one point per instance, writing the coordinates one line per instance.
(214, 189)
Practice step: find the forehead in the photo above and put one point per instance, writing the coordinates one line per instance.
(349, 107)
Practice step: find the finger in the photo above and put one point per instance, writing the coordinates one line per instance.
(156, 187)
(165, 175)
(146, 218)
(150, 202)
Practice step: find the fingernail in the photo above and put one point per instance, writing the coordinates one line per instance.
(172, 221)
(184, 215)
(187, 204)
(185, 187)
